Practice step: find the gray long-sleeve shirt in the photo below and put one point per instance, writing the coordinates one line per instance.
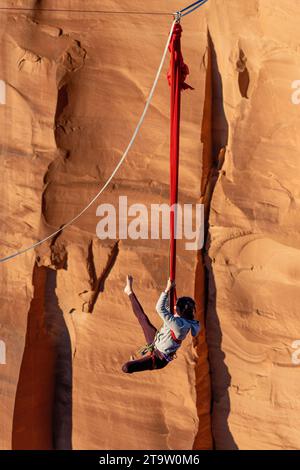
(180, 326)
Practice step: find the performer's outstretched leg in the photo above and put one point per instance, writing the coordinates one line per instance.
(148, 329)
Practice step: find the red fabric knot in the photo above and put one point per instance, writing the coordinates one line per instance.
(176, 56)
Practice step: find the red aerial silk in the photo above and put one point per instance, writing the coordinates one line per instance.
(176, 76)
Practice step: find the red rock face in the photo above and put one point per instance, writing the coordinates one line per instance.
(76, 84)
(253, 247)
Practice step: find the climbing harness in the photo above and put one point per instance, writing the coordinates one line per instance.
(176, 23)
(150, 350)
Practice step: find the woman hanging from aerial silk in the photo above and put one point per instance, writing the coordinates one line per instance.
(161, 344)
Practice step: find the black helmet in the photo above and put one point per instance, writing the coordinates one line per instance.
(186, 307)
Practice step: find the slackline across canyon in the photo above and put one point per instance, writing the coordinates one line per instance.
(176, 76)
